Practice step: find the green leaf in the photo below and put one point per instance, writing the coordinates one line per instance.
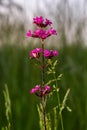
(64, 101)
(48, 120)
(69, 109)
(60, 75)
(39, 109)
(55, 63)
(7, 107)
(7, 103)
(55, 118)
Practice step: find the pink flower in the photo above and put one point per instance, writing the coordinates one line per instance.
(43, 34)
(47, 53)
(29, 33)
(50, 53)
(37, 87)
(35, 53)
(51, 31)
(47, 88)
(55, 53)
(39, 91)
(40, 34)
(34, 90)
(41, 22)
(48, 22)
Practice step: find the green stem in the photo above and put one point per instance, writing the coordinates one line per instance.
(43, 71)
(43, 78)
(61, 118)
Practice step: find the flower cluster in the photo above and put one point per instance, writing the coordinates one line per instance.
(39, 21)
(47, 53)
(41, 33)
(39, 91)
(43, 60)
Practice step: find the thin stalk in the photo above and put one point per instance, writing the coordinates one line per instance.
(43, 78)
(43, 71)
(58, 98)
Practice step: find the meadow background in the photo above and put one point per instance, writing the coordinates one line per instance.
(20, 74)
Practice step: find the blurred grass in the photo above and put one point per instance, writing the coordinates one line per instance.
(19, 73)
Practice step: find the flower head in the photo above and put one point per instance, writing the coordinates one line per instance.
(51, 31)
(35, 53)
(41, 22)
(28, 34)
(42, 34)
(55, 53)
(50, 53)
(34, 90)
(40, 91)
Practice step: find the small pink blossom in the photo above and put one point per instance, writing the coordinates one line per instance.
(29, 33)
(32, 90)
(41, 22)
(35, 53)
(47, 53)
(37, 87)
(48, 22)
(50, 53)
(47, 88)
(51, 31)
(55, 53)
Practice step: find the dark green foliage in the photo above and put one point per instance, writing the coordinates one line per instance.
(19, 73)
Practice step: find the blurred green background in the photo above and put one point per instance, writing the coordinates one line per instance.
(20, 74)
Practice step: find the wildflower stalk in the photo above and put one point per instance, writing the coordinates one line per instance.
(43, 78)
(42, 90)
